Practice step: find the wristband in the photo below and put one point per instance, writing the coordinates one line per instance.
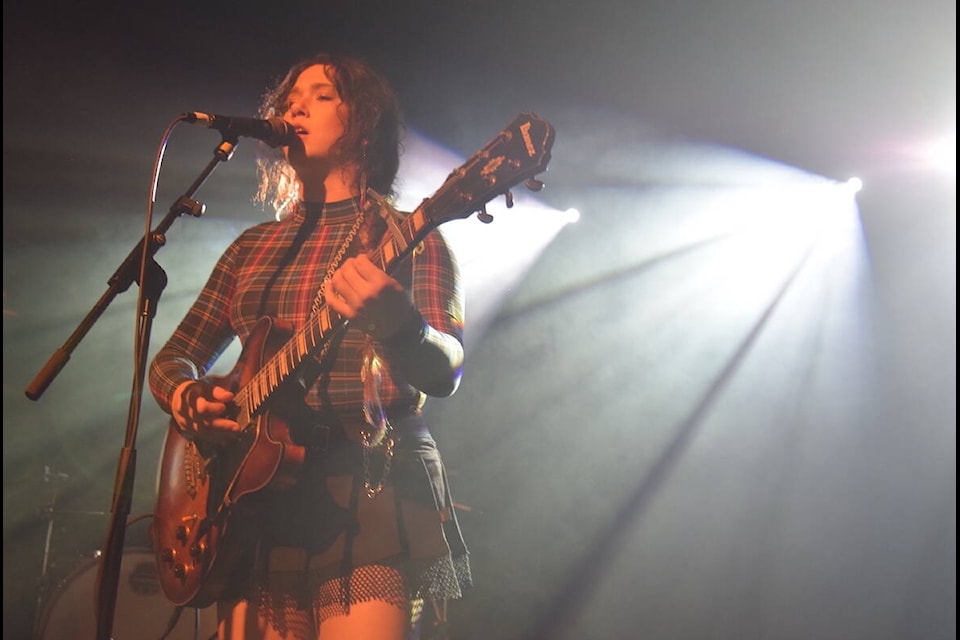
(412, 333)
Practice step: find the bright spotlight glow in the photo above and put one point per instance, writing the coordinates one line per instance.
(854, 185)
(572, 215)
(942, 154)
(773, 228)
(933, 154)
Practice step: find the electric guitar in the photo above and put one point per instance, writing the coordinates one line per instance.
(207, 494)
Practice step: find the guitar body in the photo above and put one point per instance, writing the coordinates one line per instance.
(206, 496)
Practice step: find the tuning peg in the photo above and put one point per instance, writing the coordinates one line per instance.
(483, 216)
(508, 197)
(533, 184)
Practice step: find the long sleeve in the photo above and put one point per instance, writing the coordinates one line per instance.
(201, 337)
(428, 355)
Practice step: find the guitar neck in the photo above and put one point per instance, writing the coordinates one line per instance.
(397, 244)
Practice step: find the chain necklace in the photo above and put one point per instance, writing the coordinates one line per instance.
(337, 258)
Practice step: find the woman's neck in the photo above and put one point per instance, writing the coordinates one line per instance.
(340, 184)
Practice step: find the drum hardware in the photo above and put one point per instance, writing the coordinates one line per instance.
(49, 477)
(142, 612)
(66, 608)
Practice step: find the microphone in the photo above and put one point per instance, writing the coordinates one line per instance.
(273, 131)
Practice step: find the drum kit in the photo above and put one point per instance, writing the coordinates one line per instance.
(67, 608)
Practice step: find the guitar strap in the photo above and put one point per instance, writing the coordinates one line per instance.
(306, 228)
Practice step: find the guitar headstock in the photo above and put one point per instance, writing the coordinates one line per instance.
(517, 154)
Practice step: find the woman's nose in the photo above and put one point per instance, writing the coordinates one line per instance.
(297, 109)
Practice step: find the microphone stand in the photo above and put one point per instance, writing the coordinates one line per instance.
(138, 266)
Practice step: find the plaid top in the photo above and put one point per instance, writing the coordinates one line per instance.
(276, 269)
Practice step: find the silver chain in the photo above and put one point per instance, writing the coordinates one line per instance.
(373, 490)
(336, 261)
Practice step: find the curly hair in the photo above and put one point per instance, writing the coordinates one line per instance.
(372, 138)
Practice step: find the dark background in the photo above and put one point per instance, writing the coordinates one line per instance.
(659, 434)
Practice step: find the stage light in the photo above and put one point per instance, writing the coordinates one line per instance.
(942, 154)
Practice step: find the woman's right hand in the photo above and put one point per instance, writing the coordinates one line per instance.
(200, 410)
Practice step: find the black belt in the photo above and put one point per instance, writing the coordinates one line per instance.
(327, 435)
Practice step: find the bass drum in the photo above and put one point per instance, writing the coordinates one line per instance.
(142, 612)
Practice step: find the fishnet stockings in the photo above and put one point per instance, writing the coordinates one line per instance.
(369, 582)
(374, 582)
